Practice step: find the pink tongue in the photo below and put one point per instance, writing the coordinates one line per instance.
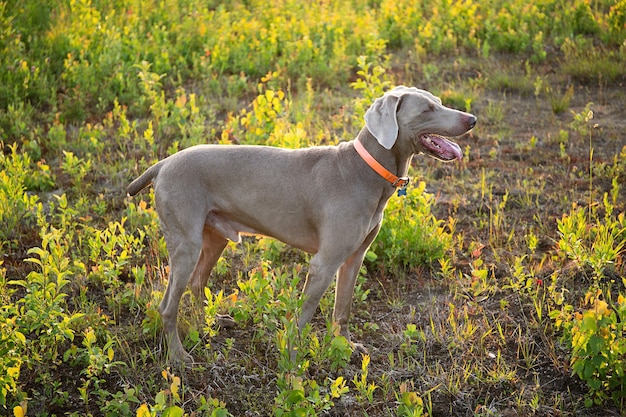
(447, 150)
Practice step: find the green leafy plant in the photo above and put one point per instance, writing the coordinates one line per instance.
(42, 311)
(373, 82)
(76, 167)
(598, 347)
(12, 343)
(410, 234)
(410, 404)
(166, 402)
(98, 361)
(17, 206)
(592, 245)
(595, 336)
(300, 396)
(364, 389)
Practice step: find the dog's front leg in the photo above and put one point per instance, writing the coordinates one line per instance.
(346, 279)
(321, 274)
(322, 271)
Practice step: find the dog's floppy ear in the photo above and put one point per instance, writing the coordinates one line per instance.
(380, 119)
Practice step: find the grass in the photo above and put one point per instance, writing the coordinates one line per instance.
(496, 286)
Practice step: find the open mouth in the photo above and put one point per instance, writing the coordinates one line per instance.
(441, 148)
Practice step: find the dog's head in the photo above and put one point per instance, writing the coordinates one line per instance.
(418, 116)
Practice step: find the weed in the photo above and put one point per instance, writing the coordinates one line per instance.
(167, 401)
(13, 343)
(587, 63)
(75, 167)
(373, 82)
(410, 404)
(410, 234)
(560, 102)
(300, 396)
(44, 305)
(597, 246)
(364, 389)
(17, 206)
(596, 339)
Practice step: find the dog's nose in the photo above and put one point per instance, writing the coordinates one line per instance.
(471, 121)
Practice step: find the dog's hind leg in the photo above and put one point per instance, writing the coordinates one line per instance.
(184, 250)
(213, 245)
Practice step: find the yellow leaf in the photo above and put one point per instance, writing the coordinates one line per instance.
(143, 411)
(175, 385)
(18, 411)
(601, 307)
(13, 371)
(181, 101)
(90, 336)
(365, 363)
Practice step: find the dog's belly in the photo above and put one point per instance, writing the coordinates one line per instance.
(282, 227)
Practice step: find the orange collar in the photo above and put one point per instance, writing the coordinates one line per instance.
(395, 181)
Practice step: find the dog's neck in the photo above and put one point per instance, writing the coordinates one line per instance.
(395, 160)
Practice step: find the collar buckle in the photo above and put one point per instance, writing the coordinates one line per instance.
(401, 185)
(402, 182)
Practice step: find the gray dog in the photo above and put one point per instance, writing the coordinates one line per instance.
(328, 201)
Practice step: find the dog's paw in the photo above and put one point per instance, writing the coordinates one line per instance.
(359, 349)
(224, 321)
(180, 358)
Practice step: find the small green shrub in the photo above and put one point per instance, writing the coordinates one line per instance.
(411, 235)
(617, 22)
(12, 343)
(17, 206)
(597, 246)
(300, 396)
(42, 312)
(410, 404)
(595, 337)
(364, 388)
(597, 341)
(168, 402)
(373, 82)
(331, 351)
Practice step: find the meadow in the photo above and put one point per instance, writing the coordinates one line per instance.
(496, 287)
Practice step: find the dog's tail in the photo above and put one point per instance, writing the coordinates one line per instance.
(144, 179)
